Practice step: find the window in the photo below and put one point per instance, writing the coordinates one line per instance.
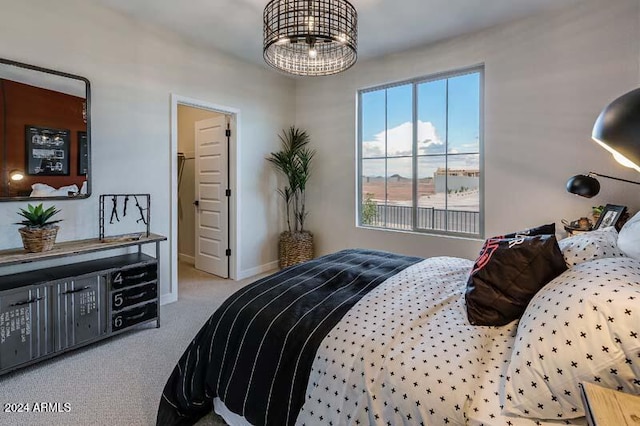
(420, 155)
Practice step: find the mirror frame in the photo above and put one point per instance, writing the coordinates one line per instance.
(5, 61)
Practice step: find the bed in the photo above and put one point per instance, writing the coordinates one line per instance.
(364, 337)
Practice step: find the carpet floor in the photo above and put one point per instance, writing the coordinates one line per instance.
(119, 381)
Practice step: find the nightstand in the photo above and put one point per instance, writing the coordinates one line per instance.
(571, 232)
(605, 407)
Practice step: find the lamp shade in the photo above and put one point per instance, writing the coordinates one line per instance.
(16, 175)
(584, 186)
(617, 129)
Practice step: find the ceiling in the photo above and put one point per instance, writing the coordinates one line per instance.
(385, 26)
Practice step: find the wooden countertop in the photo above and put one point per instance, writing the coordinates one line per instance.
(66, 248)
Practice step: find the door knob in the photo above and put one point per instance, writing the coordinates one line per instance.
(196, 203)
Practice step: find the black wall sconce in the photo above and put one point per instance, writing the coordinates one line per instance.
(588, 186)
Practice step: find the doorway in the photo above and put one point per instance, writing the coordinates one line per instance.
(203, 208)
(203, 188)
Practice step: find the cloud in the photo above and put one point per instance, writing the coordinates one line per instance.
(400, 141)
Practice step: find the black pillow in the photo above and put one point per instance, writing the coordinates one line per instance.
(549, 229)
(507, 274)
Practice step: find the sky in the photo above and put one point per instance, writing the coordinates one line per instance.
(463, 126)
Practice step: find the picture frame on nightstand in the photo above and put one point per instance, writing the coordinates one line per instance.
(611, 216)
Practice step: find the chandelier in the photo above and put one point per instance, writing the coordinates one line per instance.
(310, 37)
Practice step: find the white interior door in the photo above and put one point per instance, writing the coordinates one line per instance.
(212, 233)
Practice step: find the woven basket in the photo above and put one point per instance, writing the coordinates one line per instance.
(37, 240)
(295, 247)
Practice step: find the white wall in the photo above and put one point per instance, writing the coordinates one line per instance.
(546, 79)
(133, 70)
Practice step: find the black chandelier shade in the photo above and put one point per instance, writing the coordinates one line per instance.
(617, 129)
(310, 37)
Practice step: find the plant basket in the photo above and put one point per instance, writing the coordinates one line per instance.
(37, 240)
(295, 247)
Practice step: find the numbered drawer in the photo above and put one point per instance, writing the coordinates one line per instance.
(123, 319)
(132, 296)
(132, 276)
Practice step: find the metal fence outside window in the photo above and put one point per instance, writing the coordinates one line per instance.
(401, 217)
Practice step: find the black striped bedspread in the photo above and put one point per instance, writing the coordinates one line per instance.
(256, 351)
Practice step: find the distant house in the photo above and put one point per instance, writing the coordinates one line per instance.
(457, 172)
(456, 178)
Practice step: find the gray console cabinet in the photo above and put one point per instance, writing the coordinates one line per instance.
(44, 313)
(80, 311)
(24, 326)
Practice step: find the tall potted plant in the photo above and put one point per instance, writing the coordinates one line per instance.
(39, 231)
(294, 162)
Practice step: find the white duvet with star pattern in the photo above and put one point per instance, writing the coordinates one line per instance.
(406, 355)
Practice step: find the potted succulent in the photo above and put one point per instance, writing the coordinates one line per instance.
(294, 162)
(39, 231)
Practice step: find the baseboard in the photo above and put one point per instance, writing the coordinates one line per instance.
(168, 298)
(186, 259)
(247, 273)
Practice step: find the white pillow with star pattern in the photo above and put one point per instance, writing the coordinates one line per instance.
(584, 326)
(598, 244)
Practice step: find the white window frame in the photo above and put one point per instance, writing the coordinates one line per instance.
(415, 82)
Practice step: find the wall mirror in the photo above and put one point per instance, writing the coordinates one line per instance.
(45, 133)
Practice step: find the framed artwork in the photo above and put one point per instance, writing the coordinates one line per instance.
(83, 154)
(611, 216)
(47, 151)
